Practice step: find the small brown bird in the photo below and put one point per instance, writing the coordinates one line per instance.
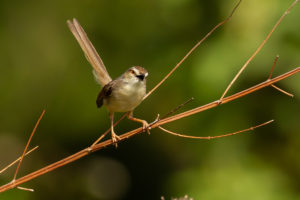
(123, 94)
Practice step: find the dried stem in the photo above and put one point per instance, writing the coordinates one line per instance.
(158, 123)
(214, 137)
(14, 162)
(191, 51)
(25, 189)
(281, 90)
(178, 107)
(28, 142)
(273, 66)
(274, 86)
(258, 49)
(229, 98)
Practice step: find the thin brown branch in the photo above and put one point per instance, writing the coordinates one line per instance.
(191, 51)
(229, 98)
(214, 137)
(124, 136)
(258, 49)
(178, 107)
(14, 162)
(45, 170)
(28, 142)
(270, 76)
(273, 66)
(25, 189)
(281, 90)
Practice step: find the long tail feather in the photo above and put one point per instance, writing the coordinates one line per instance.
(90, 52)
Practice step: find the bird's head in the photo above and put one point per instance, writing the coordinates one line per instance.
(136, 73)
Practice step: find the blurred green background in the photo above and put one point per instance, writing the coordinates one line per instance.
(43, 67)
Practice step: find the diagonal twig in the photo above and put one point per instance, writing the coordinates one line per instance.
(29, 140)
(273, 66)
(270, 76)
(191, 51)
(281, 90)
(178, 107)
(14, 162)
(258, 49)
(25, 189)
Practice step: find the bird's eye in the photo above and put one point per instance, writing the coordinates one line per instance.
(132, 71)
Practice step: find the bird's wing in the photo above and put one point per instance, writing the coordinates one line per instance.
(105, 92)
(90, 52)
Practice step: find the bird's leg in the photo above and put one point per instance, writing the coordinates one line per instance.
(115, 138)
(144, 122)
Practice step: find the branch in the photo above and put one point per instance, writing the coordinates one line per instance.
(274, 86)
(281, 90)
(28, 142)
(124, 136)
(229, 98)
(159, 122)
(215, 137)
(191, 51)
(177, 108)
(258, 49)
(273, 67)
(14, 162)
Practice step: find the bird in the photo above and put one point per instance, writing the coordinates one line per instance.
(122, 94)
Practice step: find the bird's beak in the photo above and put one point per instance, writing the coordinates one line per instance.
(142, 76)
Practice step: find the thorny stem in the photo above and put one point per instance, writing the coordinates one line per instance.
(124, 136)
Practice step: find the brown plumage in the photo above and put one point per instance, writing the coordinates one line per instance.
(123, 94)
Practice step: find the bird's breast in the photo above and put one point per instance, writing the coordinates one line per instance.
(126, 97)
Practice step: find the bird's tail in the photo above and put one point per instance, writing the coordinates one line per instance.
(100, 72)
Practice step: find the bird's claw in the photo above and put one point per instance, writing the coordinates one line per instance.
(146, 126)
(115, 139)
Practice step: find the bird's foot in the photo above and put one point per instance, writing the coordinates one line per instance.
(115, 138)
(146, 126)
